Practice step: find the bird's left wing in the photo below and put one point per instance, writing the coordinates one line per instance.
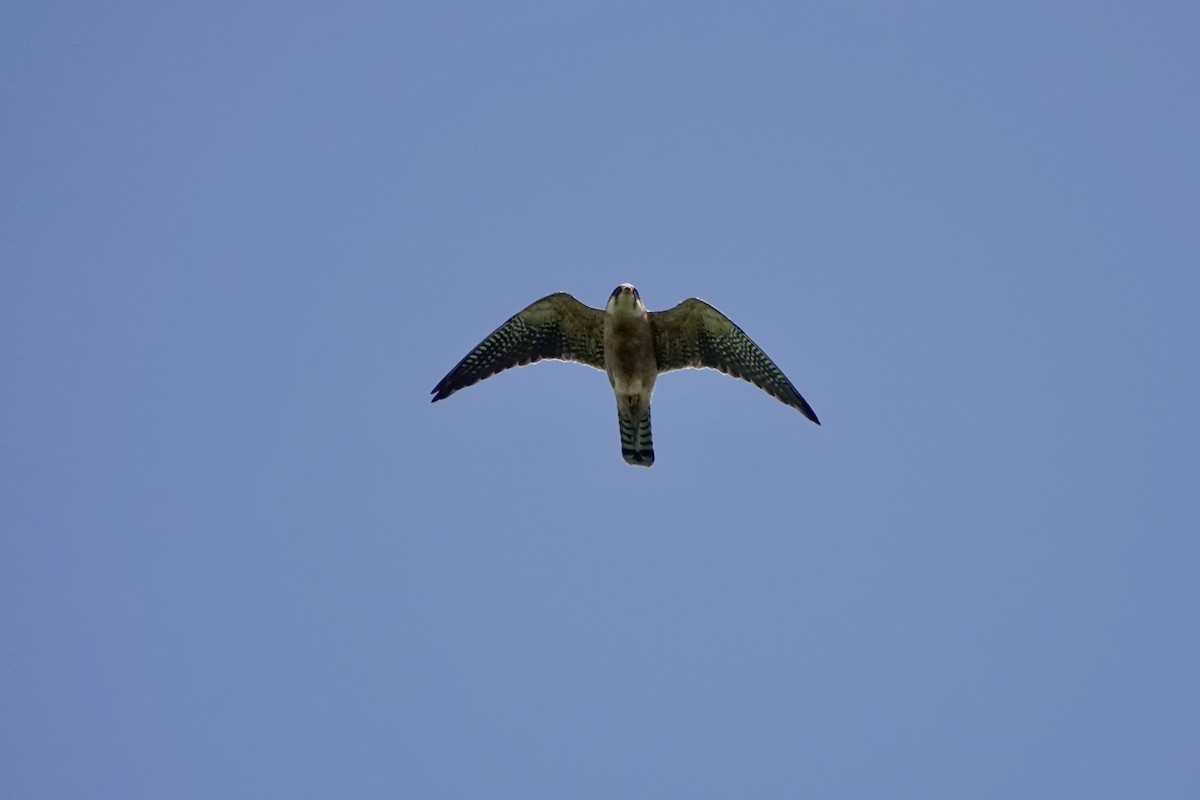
(555, 327)
(694, 334)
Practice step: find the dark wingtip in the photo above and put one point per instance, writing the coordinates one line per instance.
(807, 411)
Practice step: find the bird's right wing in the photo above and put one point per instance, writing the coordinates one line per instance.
(555, 327)
(696, 335)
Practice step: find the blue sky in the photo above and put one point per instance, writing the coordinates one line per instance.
(243, 556)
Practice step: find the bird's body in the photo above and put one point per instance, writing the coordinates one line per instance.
(632, 369)
(633, 346)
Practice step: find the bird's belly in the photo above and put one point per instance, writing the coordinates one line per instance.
(629, 357)
(630, 384)
(631, 375)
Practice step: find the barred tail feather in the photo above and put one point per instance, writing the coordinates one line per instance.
(637, 446)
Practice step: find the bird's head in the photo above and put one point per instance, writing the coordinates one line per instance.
(625, 298)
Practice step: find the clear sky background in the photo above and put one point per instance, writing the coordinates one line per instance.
(244, 557)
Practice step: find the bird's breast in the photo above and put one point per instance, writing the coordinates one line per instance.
(629, 354)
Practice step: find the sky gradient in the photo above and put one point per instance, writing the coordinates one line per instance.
(244, 556)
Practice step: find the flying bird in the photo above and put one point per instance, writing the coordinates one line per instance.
(633, 346)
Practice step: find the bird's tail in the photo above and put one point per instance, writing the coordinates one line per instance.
(637, 446)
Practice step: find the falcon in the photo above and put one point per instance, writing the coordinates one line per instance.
(633, 346)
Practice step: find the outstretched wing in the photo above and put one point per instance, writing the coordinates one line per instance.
(558, 327)
(694, 334)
